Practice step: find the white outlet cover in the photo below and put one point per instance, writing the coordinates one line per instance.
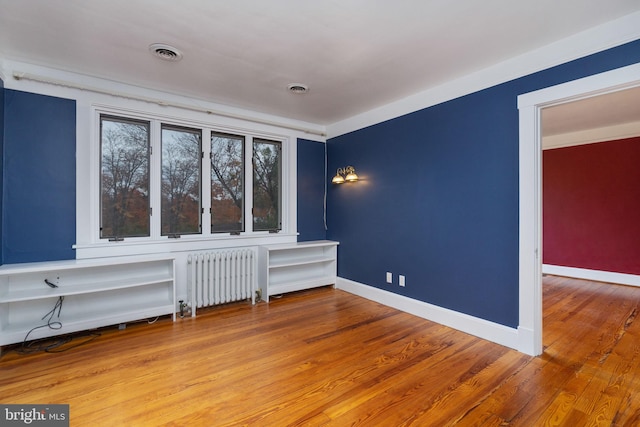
(401, 280)
(389, 277)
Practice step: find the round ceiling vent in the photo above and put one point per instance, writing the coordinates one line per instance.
(298, 88)
(166, 52)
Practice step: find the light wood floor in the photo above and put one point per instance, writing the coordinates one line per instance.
(325, 357)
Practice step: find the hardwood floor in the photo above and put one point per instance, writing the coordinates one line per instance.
(328, 358)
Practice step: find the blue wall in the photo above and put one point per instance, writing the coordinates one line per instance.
(39, 174)
(438, 199)
(311, 187)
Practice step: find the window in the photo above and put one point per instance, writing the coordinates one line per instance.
(181, 171)
(227, 183)
(124, 183)
(267, 159)
(171, 179)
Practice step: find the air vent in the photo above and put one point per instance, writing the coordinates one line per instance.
(298, 88)
(166, 52)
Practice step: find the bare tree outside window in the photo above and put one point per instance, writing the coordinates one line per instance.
(227, 183)
(124, 178)
(181, 154)
(267, 179)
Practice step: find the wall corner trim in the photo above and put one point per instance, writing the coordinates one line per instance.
(499, 334)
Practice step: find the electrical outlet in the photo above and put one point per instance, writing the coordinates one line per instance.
(389, 277)
(401, 280)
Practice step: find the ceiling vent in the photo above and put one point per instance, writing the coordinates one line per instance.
(166, 52)
(298, 88)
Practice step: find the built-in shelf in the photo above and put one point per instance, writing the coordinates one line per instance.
(292, 267)
(82, 288)
(95, 292)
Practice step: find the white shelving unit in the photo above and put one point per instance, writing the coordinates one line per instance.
(97, 292)
(290, 267)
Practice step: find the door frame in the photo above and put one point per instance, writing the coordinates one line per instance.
(530, 188)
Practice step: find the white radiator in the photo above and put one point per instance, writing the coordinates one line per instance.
(220, 277)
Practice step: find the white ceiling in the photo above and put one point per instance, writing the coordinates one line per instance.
(355, 55)
(601, 111)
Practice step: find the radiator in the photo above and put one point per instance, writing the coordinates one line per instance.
(220, 277)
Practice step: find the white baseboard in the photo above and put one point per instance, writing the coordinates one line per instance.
(596, 275)
(481, 328)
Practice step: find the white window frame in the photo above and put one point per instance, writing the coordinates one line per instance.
(156, 243)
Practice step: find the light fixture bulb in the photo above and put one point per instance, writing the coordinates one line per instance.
(351, 177)
(338, 179)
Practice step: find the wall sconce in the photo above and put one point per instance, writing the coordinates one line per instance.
(347, 174)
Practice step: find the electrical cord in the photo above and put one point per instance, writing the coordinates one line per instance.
(49, 345)
(51, 324)
(46, 344)
(90, 337)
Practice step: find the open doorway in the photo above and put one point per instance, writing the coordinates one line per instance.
(530, 189)
(590, 193)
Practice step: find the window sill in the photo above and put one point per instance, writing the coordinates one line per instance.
(138, 246)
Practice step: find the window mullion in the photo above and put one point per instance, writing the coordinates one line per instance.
(206, 182)
(156, 179)
(248, 184)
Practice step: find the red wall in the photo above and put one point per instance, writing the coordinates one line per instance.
(591, 206)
